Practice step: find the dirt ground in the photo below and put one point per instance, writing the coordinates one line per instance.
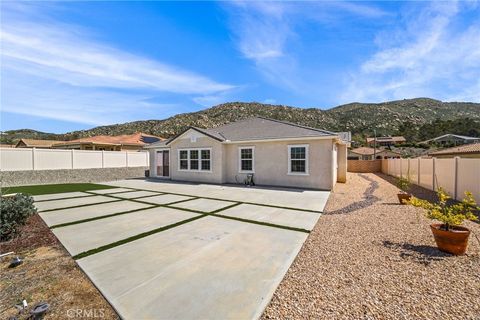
(48, 274)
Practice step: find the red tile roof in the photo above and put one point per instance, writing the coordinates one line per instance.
(138, 139)
(467, 148)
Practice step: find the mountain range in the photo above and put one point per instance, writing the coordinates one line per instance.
(387, 118)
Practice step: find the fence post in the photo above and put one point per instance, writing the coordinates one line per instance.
(433, 174)
(103, 159)
(72, 154)
(455, 187)
(33, 158)
(418, 171)
(126, 159)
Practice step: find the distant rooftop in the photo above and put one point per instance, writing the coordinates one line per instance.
(136, 139)
(454, 136)
(387, 139)
(464, 149)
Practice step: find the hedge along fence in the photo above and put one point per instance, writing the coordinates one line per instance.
(23, 159)
(454, 175)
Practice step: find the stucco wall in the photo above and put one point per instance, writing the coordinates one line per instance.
(22, 178)
(216, 174)
(271, 164)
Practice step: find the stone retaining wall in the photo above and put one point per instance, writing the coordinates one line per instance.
(22, 178)
(364, 166)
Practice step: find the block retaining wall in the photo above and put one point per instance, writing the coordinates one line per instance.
(364, 166)
(30, 177)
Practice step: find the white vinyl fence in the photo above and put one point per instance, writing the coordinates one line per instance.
(20, 159)
(454, 175)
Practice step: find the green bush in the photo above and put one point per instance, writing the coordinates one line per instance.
(14, 212)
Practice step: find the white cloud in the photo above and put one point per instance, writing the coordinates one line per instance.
(60, 71)
(265, 32)
(434, 57)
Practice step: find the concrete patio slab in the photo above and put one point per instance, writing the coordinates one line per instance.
(135, 194)
(74, 214)
(58, 196)
(211, 268)
(109, 230)
(204, 205)
(165, 199)
(65, 203)
(283, 197)
(284, 217)
(107, 191)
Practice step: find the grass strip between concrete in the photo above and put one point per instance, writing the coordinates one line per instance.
(66, 224)
(66, 198)
(80, 205)
(201, 214)
(219, 199)
(136, 237)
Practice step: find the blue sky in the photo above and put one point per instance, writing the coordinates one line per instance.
(75, 65)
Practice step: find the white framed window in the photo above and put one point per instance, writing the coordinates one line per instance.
(298, 159)
(195, 159)
(246, 159)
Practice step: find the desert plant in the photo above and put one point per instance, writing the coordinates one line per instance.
(14, 212)
(403, 184)
(450, 214)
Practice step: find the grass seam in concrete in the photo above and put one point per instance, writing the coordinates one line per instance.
(133, 238)
(218, 199)
(67, 198)
(66, 224)
(79, 206)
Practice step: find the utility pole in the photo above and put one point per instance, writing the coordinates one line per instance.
(374, 144)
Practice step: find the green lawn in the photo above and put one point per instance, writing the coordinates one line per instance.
(55, 188)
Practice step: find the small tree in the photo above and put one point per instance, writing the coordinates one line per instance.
(403, 184)
(14, 212)
(450, 214)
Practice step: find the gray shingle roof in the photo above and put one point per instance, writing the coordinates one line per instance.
(257, 128)
(262, 128)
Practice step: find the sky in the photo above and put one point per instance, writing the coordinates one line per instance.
(75, 65)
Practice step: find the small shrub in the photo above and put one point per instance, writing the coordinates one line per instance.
(450, 215)
(14, 212)
(403, 184)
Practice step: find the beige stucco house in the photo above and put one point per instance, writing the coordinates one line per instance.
(277, 153)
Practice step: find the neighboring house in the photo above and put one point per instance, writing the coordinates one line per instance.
(132, 142)
(364, 153)
(452, 140)
(385, 141)
(6, 145)
(277, 153)
(33, 143)
(465, 151)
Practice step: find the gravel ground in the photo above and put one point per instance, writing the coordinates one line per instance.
(371, 258)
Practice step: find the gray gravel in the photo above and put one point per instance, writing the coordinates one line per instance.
(370, 258)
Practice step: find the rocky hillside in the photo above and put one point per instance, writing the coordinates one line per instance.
(360, 118)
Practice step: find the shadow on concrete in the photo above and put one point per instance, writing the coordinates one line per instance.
(422, 254)
(368, 198)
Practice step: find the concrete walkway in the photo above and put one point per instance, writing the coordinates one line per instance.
(166, 252)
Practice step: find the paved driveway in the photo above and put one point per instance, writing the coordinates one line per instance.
(182, 251)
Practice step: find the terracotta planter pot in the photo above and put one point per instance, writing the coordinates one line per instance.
(403, 196)
(454, 241)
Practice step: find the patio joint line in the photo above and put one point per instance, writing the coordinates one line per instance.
(79, 206)
(219, 199)
(133, 238)
(68, 198)
(60, 225)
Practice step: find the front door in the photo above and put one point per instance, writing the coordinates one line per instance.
(163, 163)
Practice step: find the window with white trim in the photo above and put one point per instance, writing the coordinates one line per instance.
(246, 159)
(183, 159)
(194, 159)
(298, 159)
(206, 160)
